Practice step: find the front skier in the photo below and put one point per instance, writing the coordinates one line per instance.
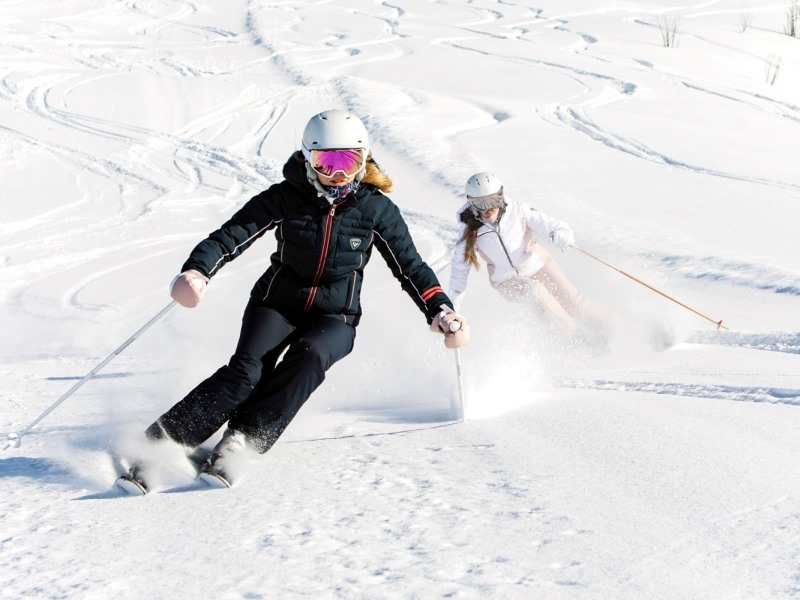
(328, 213)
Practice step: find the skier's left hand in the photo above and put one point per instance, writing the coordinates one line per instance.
(453, 326)
(563, 238)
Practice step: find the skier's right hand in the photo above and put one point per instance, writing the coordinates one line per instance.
(188, 288)
(563, 238)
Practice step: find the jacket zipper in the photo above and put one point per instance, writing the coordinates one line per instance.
(508, 256)
(326, 240)
(503, 246)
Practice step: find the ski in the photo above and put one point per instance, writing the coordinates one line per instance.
(210, 471)
(209, 466)
(134, 482)
(130, 485)
(214, 478)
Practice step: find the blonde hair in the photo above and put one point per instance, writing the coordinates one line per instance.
(376, 176)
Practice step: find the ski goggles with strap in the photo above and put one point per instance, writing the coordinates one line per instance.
(484, 203)
(329, 162)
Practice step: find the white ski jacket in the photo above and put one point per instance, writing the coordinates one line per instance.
(504, 245)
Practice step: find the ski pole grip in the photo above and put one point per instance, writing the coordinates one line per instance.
(13, 441)
(455, 326)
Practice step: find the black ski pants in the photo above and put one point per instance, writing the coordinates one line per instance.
(254, 392)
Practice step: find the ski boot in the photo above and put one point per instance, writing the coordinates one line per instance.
(212, 471)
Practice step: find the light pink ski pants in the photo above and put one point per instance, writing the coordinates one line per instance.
(554, 298)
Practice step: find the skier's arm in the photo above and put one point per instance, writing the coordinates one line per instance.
(544, 226)
(258, 215)
(460, 269)
(393, 241)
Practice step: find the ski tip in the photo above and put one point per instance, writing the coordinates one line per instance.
(130, 486)
(214, 480)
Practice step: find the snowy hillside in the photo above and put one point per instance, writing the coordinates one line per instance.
(130, 130)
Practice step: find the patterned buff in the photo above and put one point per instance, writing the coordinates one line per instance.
(342, 190)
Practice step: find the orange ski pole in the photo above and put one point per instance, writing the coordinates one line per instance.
(656, 290)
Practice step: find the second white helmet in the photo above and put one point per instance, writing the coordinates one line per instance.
(482, 184)
(334, 129)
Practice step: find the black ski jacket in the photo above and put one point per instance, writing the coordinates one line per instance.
(322, 250)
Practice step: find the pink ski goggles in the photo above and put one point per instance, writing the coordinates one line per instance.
(329, 162)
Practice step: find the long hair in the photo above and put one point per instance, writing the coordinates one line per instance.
(470, 237)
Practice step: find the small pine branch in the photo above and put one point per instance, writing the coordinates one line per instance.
(772, 68)
(792, 18)
(668, 25)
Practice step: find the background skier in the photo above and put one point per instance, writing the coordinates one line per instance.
(504, 233)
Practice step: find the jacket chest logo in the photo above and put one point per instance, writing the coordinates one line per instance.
(355, 243)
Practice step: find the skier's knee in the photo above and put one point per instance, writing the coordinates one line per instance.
(244, 368)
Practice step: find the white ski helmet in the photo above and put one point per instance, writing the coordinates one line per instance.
(482, 184)
(334, 129)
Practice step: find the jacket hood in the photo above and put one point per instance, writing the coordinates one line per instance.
(294, 170)
(296, 174)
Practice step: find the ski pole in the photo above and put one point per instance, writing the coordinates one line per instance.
(656, 290)
(460, 411)
(15, 439)
(455, 326)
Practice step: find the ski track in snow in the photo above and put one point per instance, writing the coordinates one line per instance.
(613, 90)
(772, 342)
(576, 119)
(717, 392)
(754, 276)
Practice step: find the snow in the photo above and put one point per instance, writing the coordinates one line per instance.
(129, 130)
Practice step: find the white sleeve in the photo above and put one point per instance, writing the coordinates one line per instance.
(542, 225)
(459, 269)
